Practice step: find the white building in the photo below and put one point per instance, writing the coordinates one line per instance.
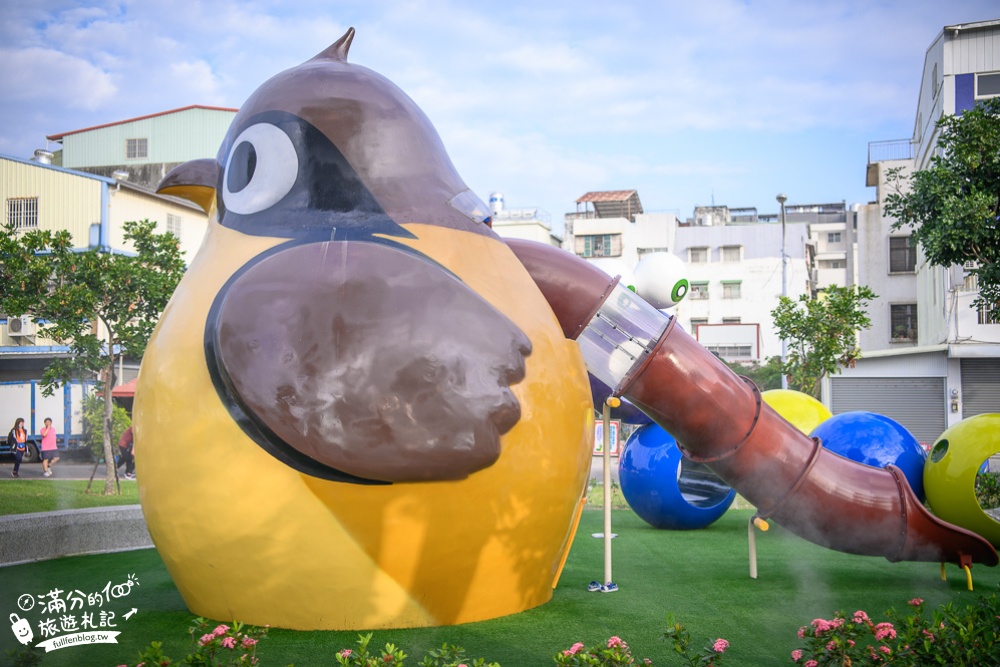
(530, 224)
(929, 359)
(613, 224)
(735, 276)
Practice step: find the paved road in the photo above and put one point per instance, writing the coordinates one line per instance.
(74, 470)
(62, 470)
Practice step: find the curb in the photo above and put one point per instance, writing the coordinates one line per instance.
(28, 538)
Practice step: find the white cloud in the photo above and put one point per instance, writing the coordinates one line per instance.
(49, 77)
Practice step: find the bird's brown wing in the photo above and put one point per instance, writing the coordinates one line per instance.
(366, 359)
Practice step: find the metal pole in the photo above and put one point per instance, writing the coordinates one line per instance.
(784, 284)
(606, 415)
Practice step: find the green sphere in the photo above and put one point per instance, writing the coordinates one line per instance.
(950, 474)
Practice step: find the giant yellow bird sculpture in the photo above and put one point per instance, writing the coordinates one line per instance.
(358, 410)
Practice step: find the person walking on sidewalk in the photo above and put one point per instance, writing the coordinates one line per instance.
(126, 453)
(50, 454)
(16, 441)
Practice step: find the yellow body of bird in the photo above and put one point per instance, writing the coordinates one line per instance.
(246, 537)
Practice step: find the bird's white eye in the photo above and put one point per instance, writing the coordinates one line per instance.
(261, 169)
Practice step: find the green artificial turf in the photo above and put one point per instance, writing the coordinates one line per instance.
(699, 576)
(24, 496)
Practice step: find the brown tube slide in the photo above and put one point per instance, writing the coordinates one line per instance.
(720, 419)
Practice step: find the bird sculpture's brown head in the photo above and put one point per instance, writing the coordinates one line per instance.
(344, 351)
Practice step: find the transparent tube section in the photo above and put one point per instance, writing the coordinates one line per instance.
(620, 335)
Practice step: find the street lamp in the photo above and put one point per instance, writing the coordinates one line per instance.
(784, 284)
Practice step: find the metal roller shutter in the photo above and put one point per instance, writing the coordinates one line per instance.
(980, 386)
(916, 403)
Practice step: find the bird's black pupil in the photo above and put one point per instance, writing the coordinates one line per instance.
(241, 166)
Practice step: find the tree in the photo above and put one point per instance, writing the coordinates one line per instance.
(821, 334)
(103, 305)
(953, 206)
(766, 376)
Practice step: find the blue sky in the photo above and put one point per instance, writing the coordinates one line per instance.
(685, 101)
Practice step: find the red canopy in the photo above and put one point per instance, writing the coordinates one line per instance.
(126, 390)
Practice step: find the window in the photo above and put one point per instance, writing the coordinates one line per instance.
(174, 224)
(731, 351)
(988, 85)
(988, 314)
(902, 255)
(696, 321)
(730, 289)
(645, 251)
(731, 253)
(599, 245)
(836, 264)
(136, 148)
(934, 82)
(833, 237)
(699, 291)
(903, 320)
(698, 255)
(970, 281)
(731, 320)
(22, 212)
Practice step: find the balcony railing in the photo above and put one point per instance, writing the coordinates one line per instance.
(893, 149)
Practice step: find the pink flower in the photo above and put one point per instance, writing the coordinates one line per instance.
(928, 634)
(345, 653)
(249, 642)
(616, 642)
(720, 645)
(796, 655)
(574, 649)
(821, 625)
(860, 617)
(850, 642)
(205, 639)
(883, 630)
(811, 663)
(802, 632)
(220, 630)
(916, 602)
(229, 643)
(831, 645)
(885, 649)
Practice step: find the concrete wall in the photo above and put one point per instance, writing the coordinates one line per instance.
(26, 538)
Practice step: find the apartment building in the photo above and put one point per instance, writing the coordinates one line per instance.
(929, 359)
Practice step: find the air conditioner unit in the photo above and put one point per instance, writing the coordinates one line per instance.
(20, 326)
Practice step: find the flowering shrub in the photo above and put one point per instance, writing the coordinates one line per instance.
(390, 656)
(614, 652)
(223, 646)
(709, 656)
(617, 652)
(953, 637)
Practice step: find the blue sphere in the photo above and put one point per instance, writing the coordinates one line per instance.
(877, 441)
(666, 489)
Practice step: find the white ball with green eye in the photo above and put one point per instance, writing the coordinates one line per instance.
(661, 279)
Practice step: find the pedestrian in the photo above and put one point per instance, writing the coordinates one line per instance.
(16, 441)
(50, 454)
(126, 452)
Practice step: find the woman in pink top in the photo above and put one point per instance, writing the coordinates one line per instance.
(50, 454)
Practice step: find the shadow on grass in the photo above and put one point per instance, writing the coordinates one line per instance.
(700, 576)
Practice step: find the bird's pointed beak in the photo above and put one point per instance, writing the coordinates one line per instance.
(194, 180)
